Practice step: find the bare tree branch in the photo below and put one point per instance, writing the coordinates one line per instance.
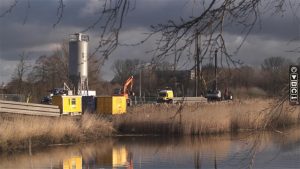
(10, 9)
(111, 20)
(59, 13)
(210, 24)
(27, 12)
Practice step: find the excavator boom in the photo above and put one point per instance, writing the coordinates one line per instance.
(128, 85)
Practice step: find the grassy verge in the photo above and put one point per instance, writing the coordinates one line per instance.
(212, 118)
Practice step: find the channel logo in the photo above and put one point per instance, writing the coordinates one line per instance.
(294, 84)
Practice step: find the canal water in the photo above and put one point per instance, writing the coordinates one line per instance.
(272, 150)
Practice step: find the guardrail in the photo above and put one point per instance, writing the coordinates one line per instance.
(152, 100)
(189, 100)
(28, 108)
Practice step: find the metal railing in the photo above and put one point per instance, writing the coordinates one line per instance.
(28, 108)
(152, 100)
(143, 100)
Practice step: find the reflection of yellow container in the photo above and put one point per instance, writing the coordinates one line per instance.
(113, 156)
(73, 163)
(119, 156)
(68, 104)
(111, 104)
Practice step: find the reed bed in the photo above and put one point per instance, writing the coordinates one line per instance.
(207, 118)
(22, 131)
(17, 132)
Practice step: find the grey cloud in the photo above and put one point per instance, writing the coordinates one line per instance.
(38, 32)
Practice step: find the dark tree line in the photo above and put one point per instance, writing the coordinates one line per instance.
(268, 79)
(49, 72)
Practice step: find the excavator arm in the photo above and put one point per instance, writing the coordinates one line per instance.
(128, 85)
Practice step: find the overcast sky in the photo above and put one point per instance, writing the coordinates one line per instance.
(276, 35)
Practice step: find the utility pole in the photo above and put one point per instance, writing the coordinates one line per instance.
(174, 69)
(140, 83)
(197, 61)
(199, 67)
(196, 64)
(216, 67)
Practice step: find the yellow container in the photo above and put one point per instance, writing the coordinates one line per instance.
(111, 104)
(68, 104)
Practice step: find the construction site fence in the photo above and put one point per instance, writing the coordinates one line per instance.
(152, 100)
(143, 100)
(12, 97)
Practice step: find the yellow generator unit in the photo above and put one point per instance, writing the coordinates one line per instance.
(111, 104)
(68, 105)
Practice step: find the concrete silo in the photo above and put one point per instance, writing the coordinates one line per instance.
(78, 63)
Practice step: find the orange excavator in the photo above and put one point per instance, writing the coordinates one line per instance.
(126, 90)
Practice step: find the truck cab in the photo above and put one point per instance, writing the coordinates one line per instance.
(165, 96)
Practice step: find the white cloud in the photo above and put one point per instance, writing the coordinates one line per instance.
(256, 48)
(44, 47)
(6, 69)
(92, 7)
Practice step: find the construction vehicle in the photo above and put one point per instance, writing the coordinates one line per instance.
(215, 94)
(53, 92)
(126, 91)
(165, 96)
(56, 92)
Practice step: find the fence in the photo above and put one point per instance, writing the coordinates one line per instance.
(153, 100)
(12, 97)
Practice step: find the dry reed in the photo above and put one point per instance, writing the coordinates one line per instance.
(208, 118)
(162, 119)
(22, 131)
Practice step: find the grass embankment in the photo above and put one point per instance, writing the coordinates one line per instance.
(17, 132)
(211, 118)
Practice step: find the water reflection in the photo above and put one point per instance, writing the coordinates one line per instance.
(264, 150)
(74, 162)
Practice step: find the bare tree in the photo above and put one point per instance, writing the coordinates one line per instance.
(274, 63)
(210, 24)
(274, 73)
(123, 69)
(110, 20)
(20, 73)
